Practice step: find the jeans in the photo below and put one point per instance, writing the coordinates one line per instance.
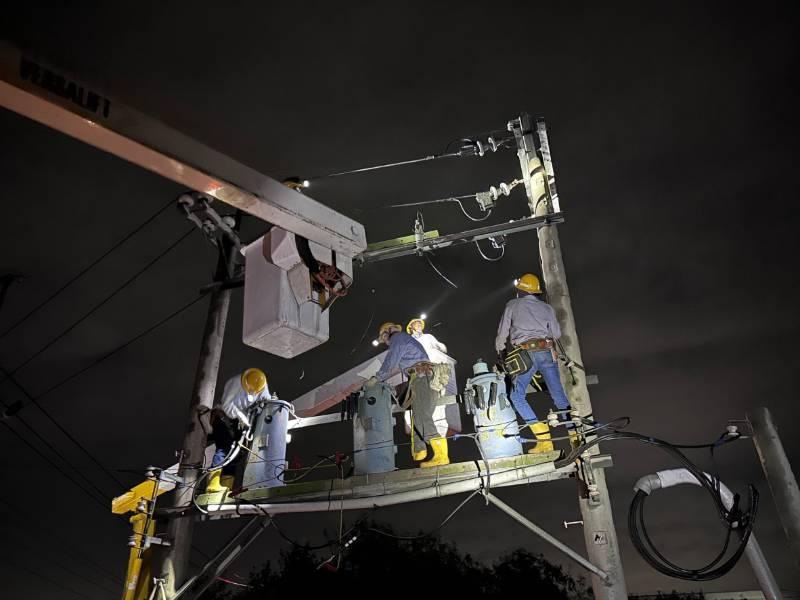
(544, 363)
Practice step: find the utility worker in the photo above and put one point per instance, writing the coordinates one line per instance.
(531, 324)
(229, 418)
(408, 356)
(444, 370)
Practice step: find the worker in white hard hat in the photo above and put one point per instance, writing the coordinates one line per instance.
(408, 356)
(530, 323)
(229, 418)
(444, 384)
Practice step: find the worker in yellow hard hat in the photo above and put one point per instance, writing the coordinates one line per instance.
(531, 324)
(407, 356)
(444, 382)
(229, 418)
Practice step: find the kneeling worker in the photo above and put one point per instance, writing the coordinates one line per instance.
(531, 324)
(228, 420)
(408, 356)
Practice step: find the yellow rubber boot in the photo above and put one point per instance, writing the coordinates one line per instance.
(228, 481)
(541, 431)
(420, 455)
(440, 457)
(214, 485)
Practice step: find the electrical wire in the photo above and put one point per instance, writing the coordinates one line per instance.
(100, 304)
(85, 270)
(58, 468)
(438, 272)
(432, 531)
(121, 347)
(734, 518)
(61, 428)
(496, 258)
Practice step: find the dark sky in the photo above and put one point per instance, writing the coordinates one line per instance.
(673, 131)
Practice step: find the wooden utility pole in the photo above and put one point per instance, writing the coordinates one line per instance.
(600, 534)
(173, 560)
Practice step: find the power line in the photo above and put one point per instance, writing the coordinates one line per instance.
(85, 270)
(119, 348)
(55, 466)
(105, 300)
(61, 428)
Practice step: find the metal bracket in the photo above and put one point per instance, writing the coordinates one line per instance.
(197, 208)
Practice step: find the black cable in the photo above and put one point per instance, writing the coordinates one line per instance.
(55, 466)
(100, 304)
(60, 427)
(121, 347)
(85, 270)
(734, 518)
(439, 273)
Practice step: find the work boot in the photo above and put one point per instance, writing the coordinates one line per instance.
(418, 456)
(228, 481)
(440, 458)
(214, 484)
(541, 431)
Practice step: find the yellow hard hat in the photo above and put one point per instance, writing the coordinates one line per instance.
(415, 320)
(254, 381)
(386, 327)
(528, 283)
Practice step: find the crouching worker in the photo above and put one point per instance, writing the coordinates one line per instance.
(409, 357)
(229, 419)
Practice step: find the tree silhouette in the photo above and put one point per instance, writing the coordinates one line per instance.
(380, 565)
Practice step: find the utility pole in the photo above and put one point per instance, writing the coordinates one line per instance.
(173, 560)
(600, 534)
(779, 475)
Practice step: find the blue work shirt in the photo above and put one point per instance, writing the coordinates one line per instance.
(526, 318)
(404, 352)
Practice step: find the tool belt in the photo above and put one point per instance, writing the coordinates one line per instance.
(422, 368)
(536, 344)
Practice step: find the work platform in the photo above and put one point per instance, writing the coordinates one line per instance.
(394, 487)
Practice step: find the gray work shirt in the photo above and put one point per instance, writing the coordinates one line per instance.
(525, 318)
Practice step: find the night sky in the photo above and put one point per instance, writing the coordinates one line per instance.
(674, 137)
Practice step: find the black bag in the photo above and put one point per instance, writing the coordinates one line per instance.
(517, 361)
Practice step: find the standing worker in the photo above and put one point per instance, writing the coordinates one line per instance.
(445, 384)
(408, 356)
(228, 420)
(531, 324)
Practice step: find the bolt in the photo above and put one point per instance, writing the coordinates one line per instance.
(568, 523)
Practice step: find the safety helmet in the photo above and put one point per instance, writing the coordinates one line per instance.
(388, 328)
(409, 328)
(528, 283)
(254, 381)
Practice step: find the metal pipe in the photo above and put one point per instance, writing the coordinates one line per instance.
(778, 471)
(437, 490)
(547, 537)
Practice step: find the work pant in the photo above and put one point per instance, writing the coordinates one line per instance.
(422, 409)
(224, 433)
(544, 363)
(439, 420)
